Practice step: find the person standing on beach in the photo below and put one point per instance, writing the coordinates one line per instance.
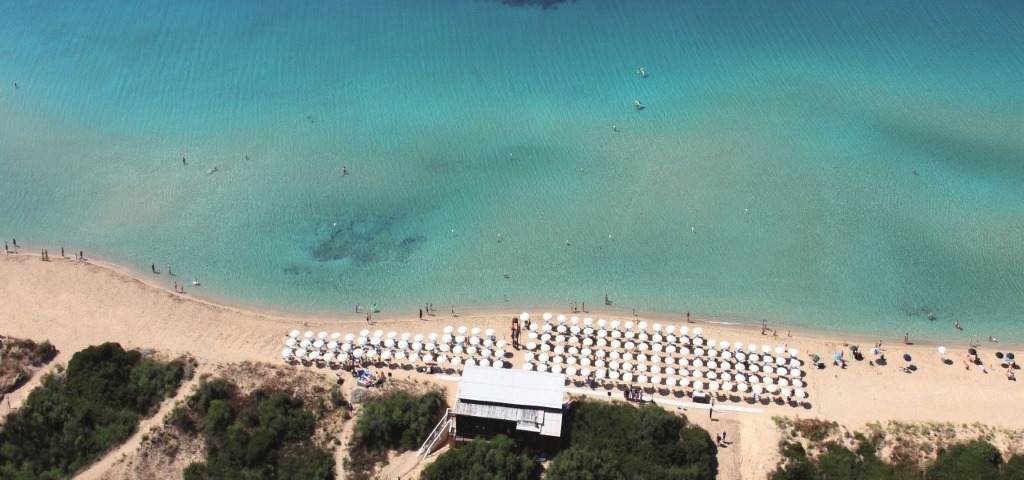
(169, 271)
(15, 241)
(62, 253)
(358, 308)
(153, 267)
(453, 310)
(6, 249)
(906, 338)
(421, 314)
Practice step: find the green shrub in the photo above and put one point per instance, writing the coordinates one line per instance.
(616, 440)
(499, 459)
(264, 435)
(974, 460)
(399, 421)
(75, 417)
(1013, 469)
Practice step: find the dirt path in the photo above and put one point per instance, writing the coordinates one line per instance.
(100, 470)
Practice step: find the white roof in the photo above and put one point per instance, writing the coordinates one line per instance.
(512, 387)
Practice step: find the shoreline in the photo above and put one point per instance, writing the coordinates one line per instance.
(736, 324)
(75, 304)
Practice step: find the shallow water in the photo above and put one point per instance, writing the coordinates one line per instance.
(771, 174)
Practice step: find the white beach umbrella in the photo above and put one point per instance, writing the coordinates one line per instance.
(309, 334)
(574, 320)
(399, 355)
(314, 356)
(800, 393)
(305, 344)
(588, 321)
(364, 333)
(770, 388)
(427, 358)
(627, 377)
(291, 342)
(943, 351)
(698, 374)
(332, 346)
(684, 331)
(698, 331)
(793, 352)
(742, 387)
(329, 357)
(346, 347)
(295, 334)
(714, 386)
(456, 361)
(766, 349)
(498, 364)
(727, 386)
(740, 367)
(783, 382)
(561, 318)
(684, 362)
(448, 329)
(697, 385)
(547, 316)
(570, 371)
(406, 336)
(524, 316)
(463, 330)
(757, 389)
(318, 344)
(698, 341)
(385, 355)
(287, 353)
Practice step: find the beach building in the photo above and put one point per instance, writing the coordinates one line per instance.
(524, 405)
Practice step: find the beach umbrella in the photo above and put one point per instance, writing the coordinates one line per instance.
(305, 344)
(561, 318)
(574, 320)
(670, 382)
(286, 353)
(527, 366)
(906, 356)
(329, 356)
(751, 348)
(318, 344)
(547, 316)
(742, 387)
(456, 361)
(462, 330)
(524, 316)
(406, 336)
(498, 364)
(314, 355)
(1009, 356)
(794, 372)
(698, 331)
(333, 345)
(295, 334)
(291, 342)
(942, 351)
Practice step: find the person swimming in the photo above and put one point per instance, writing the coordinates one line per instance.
(212, 171)
(638, 105)
(641, 72)
(195, 282)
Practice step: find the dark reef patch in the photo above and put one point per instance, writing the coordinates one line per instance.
(544, 4)
(365, 241)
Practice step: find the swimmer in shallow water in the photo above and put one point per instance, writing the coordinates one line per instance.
(212, 171)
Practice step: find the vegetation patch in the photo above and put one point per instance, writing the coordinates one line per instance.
(498, 459)
(398, 421)
(859, 457)
(77, 415)
(622, 441)
(265, 434)
(19, 359)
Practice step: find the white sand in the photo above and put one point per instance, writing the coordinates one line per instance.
(75, 304)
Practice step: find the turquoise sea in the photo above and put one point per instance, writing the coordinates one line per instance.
(838, 165)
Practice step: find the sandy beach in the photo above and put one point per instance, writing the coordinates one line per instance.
(75, 304)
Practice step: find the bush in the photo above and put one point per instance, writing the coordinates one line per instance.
(615, 440)
(399, 421)
(972, 460)
(1013, 469)
(74, 418)
(499, 459)
(264, 435)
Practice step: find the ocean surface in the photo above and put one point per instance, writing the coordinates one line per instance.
(846, 166)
